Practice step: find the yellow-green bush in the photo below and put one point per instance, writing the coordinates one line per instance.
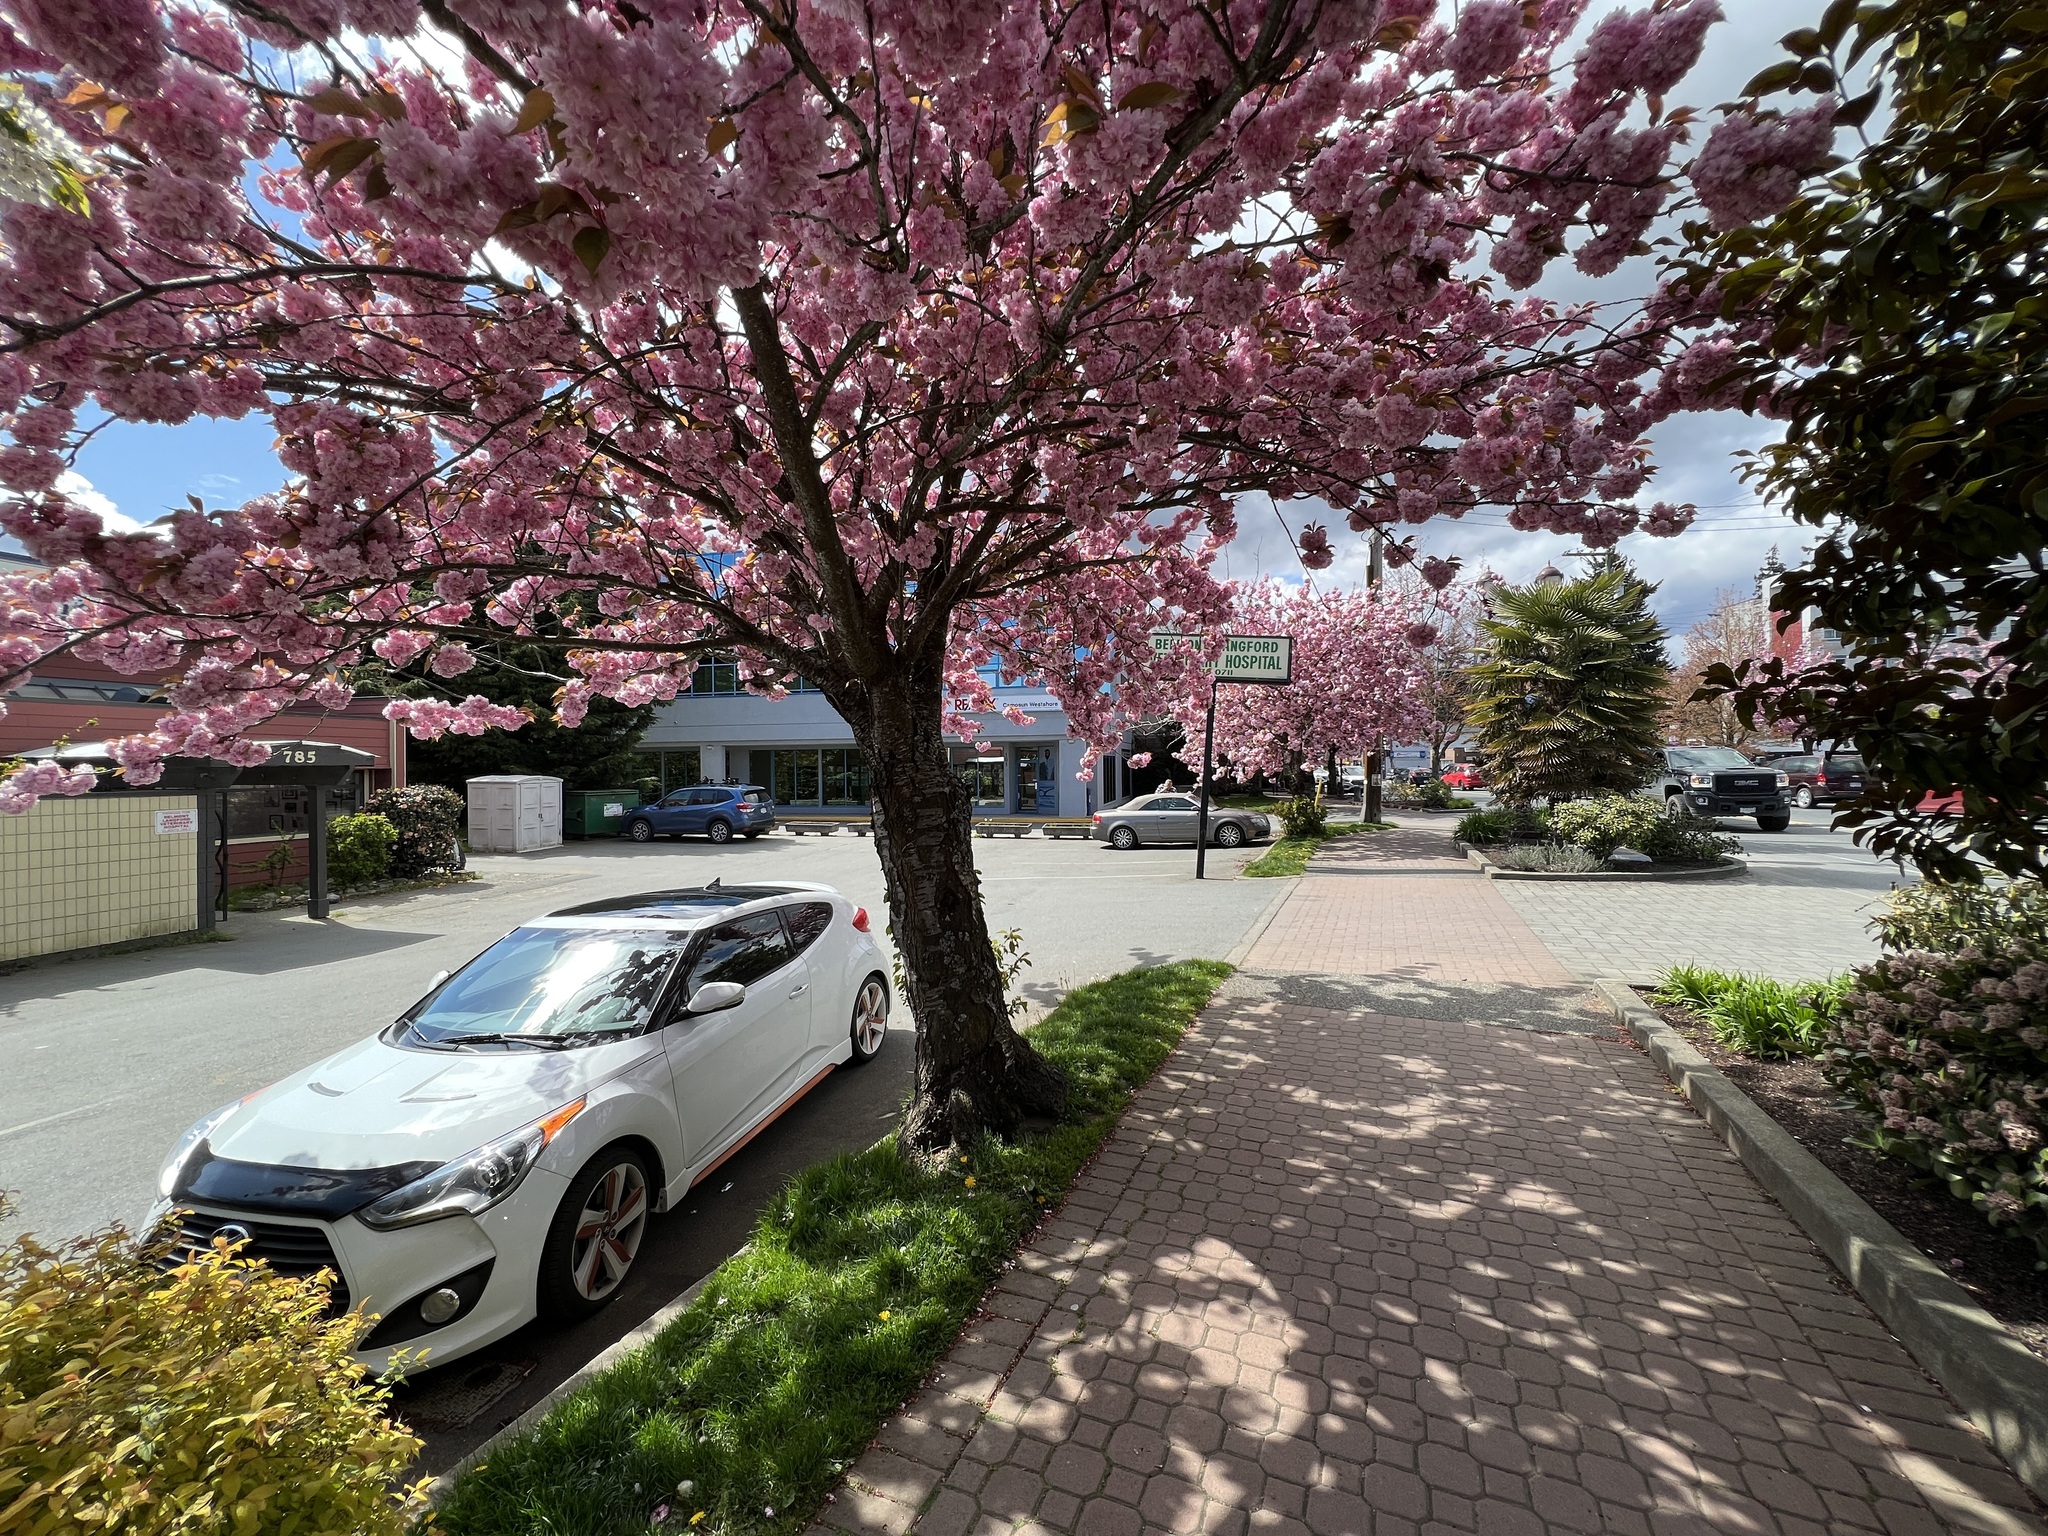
(215, 1398)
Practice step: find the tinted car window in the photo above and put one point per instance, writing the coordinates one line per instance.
(1846, 762)
(755, 797)
(680, 797)
(706, 796)
(743, 950)
(807, 923)
(564, 981)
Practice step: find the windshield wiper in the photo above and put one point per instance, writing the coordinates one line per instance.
(452, 1042)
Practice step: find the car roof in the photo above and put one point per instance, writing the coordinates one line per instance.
(686, 907)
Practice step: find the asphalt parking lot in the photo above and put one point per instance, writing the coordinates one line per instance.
(110, 1058)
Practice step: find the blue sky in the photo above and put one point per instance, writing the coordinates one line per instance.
(144, 471)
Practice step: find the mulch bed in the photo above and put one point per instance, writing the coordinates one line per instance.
(1998, 1270)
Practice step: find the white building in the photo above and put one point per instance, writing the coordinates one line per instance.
(799, 748)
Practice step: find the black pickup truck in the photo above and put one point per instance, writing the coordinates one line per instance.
(1720, 781)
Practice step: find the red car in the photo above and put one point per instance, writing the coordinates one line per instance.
(1465, 776)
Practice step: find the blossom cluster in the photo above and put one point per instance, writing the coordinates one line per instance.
(872, 342)
(1948, 1054)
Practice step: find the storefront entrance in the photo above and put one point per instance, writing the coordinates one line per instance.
(1038, 782)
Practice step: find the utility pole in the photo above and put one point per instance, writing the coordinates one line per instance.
(1208, 761)
(1373, 801)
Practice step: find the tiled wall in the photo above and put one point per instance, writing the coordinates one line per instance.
(94, 870)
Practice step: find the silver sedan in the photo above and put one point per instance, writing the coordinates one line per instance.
(1173, 818)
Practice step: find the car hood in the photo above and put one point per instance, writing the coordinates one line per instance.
(376, 1106)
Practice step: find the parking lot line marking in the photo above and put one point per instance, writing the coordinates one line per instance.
(66, 1114)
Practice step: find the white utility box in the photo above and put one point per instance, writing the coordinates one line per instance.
(514, 813)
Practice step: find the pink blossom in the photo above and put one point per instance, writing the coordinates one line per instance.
(22, 788)
(1754, 164)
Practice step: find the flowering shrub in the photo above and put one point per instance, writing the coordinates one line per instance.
(428, 819)
(216, 1398)
(1607, 822)
(1949, 1055)
(1938, 916)
(1304, 816)
(359, 849)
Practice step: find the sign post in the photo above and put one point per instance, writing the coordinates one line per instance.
(1266, 659)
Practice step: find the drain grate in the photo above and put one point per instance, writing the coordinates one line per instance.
(459, 1399)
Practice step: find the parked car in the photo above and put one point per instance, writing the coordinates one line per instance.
(716, 811)
(1843, 777)
(1720, 781)
(1774, 752)
(497, 1153)
(1802, 778)
(1174, 818)
(1465, 776)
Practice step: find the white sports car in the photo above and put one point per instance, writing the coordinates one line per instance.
(494, 1155)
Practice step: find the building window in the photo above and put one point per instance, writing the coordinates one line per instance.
(718, 676)
(982, 773)
(680, 768)
(846, 776)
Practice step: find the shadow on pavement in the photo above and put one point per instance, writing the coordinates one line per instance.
(1563, 1009)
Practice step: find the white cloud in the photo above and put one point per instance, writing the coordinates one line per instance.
(81, 490)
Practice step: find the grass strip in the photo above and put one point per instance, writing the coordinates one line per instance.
(1290, 855)
(858, 1277)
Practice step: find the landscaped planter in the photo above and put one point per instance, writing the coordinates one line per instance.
(1727, 868)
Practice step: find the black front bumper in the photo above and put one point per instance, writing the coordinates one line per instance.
(1706, 802)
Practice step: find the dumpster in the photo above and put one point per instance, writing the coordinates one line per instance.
(597, 812)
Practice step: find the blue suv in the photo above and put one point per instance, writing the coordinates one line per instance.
(716, 810)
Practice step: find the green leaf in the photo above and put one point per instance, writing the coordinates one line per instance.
(1834, 21)
(591, 245)
(1805, 42)
(1776, 78)
(1153, 93)
(538, 107)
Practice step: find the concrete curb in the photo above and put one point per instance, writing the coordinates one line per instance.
(439, 1489)
(1260, 924)
(2000, 1383)
(1728, 868)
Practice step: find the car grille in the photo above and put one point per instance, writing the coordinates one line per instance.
(1745, 783)
(293, 1251)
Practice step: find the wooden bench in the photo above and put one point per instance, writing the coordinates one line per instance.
(825, 826)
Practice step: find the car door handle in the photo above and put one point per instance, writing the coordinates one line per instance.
(800, 991)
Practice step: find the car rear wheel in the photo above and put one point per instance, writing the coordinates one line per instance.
(1123, 839)
(641, 832)
(1229, 835)
(870, 1020)
(719, 831)
(595, 1236)
(1804, 798)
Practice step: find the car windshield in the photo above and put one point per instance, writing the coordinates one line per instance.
(553, 982)
(1708, 757)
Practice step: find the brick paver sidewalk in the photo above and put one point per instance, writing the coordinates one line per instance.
(1345, 1271)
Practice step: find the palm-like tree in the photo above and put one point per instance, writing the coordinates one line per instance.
(1568, 690)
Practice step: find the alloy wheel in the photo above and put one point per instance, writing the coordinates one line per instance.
(608, 1232)
(870, 1017)
(719, 832)
(642, 832)
(1229, 835)
(1804, 799)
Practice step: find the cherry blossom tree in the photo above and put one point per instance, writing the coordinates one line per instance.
(1358, 675)
(872, 340)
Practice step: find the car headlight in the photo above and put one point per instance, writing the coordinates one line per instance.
(474, 1182)
(1701, 780)
(1784, 779)
(173, 1170)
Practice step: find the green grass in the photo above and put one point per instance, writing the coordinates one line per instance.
(1754, 1014)
(1290, 855)
(859, 1275)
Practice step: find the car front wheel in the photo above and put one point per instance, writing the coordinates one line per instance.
(1229, 835)
(1123, 839)
(1676, 808)
(1804, 799)
(719, 831)
(870, 1020)
(641, 832)
(1777, 822)
(595, 1236)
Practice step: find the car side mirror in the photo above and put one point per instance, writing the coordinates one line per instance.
(716, 997)
(436, 979)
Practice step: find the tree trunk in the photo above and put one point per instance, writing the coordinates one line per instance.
(974, 1072)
